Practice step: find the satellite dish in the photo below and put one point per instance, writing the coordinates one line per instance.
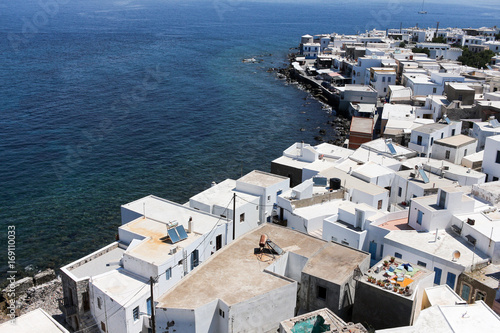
(456, 255)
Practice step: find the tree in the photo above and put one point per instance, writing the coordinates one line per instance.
(497, 37)
(421, 50)
(477, 60)
(402, 44)
(439, 40)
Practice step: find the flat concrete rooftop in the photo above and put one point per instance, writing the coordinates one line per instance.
(261, 178)
(455, 141)
(235, 273)
(221, 194)
(156, 247)
(34, 321)
(444, 247)
(103, 263)
(124, 287)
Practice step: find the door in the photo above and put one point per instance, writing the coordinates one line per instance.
(194, 259)
(86, 301)
(420, 215)
(373, 250)
(218, 242)
(437, 276)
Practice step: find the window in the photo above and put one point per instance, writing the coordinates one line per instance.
(434, 90)
(345, 242)
(497, 160)
(321, 293)
(148, 306)
(381, 250)
(452, 132)
(168, 273)
(383, 78)
(432, 141)
(379, 204)
(99, 302)
(450, 280)
(389, 79)
(442, 135)
(268, 198)
(135, 313)
(465, 152)
(447, 154)
(419, 140)
(398, 255)
(421, 263)
(242, 217)
(385, 89)
(334, 239)
(465, 293)
(103, 326)
(221, 313)
(480, 296)
(400, 191)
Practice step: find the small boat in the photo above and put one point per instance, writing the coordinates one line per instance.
(250, 60)
(422, 11)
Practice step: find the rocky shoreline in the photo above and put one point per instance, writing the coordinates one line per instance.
(42, 291)
(336, 129)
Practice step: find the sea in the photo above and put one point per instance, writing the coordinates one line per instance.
(103, 102)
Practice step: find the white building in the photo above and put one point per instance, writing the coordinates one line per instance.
(482, 130)
(435, 211)
(302, 161)
(311, 50)
(158, 239)
(444, 311)
(454, 148)
(491, 161)
(254, 291)
(265, 185)
(381, 78)
(423, 137)
(217, 200)
(435, 252)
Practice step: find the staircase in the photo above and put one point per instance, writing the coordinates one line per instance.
(88, 324)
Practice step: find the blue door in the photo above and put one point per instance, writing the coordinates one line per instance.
(437, 276)
(373, 250)
(419, 217)
(450, 280)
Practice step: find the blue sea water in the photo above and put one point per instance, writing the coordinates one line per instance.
(104, 102)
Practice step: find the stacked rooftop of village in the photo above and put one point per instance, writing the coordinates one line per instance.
(396, 230)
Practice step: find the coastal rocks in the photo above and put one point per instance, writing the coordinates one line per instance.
(43, 296)
(19, 287)
(44, 277)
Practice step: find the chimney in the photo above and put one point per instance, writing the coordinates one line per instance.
(190, 225)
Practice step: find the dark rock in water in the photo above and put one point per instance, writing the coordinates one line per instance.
(319, 138)
(302, 129)
(322, 132)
